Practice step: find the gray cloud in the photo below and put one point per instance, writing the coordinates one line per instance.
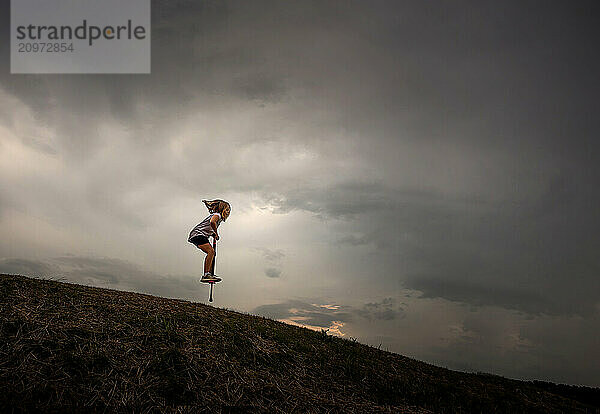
(260, 88)
(475, 249)
(27, 267)
(307, 313)
(323, 315)
(346, 199)
(531, 347)
(273, 272)
(480, 295)
(103, 272)
(354, 240)
(273, 255)
(385, 310)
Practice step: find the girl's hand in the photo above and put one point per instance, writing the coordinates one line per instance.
(217, 236)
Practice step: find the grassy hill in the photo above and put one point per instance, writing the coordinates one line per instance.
(66, 347)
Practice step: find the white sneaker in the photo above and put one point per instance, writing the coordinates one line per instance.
(210, 279)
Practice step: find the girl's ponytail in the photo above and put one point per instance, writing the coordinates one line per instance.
(218, 206)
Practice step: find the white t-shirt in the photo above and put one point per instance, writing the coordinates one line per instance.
(204, 228)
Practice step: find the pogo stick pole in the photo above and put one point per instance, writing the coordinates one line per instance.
(212, 268)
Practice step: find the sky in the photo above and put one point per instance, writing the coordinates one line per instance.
(420, 176)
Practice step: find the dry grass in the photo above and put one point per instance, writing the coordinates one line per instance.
(68, 347)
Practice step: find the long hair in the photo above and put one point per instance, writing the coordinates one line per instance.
(218, 206)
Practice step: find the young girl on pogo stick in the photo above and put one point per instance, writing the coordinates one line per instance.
(219, 211)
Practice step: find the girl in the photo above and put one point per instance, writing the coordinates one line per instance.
(219, 211)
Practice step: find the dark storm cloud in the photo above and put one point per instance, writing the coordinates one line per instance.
(536, 256)
(102, 272)
(27, 267)
(306, 313)
(77, 104)
(353, 240)
(480, 294)
(533, 253)
(340, 200)
(272, 255)
(273, 272)
(532, 348)
(324, 315)
(260, 88)
(386, 310)
(99, 270)
(454, 59)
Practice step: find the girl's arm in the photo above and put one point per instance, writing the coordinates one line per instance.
(214, 223)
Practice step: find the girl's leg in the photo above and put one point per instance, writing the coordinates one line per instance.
(210, 255)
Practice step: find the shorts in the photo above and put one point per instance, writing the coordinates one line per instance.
(199, 240)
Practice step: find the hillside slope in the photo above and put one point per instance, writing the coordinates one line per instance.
(71, 347)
